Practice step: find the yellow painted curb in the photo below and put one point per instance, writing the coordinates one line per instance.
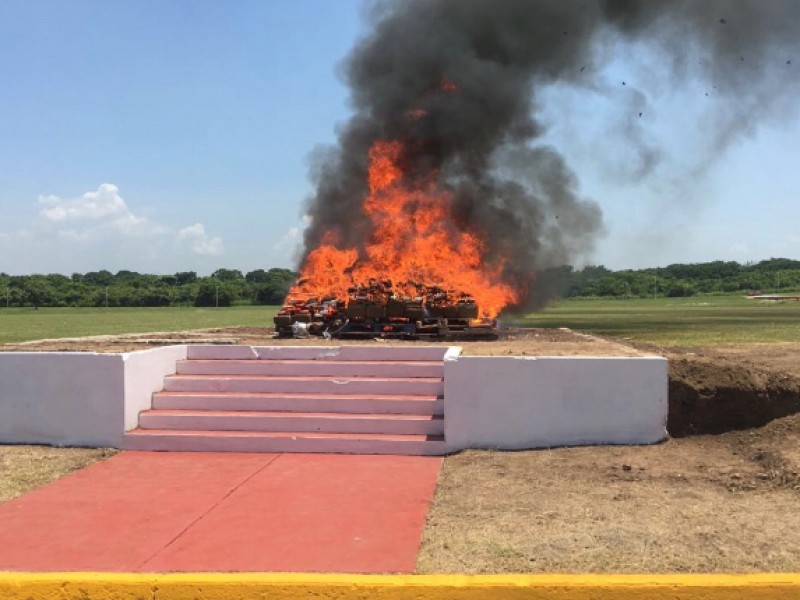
(275, 586)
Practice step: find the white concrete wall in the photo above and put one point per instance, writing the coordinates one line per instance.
(535, 402)
(88, 399)
(78, 398)
(144, 374)
(62, 399)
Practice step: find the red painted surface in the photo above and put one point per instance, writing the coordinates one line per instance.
(142, 511)
(254, 414)
(410, 437)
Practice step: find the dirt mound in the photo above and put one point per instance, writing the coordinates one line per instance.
(716, 394)
(775, 448)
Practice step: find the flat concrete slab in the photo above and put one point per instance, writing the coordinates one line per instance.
(174, 512)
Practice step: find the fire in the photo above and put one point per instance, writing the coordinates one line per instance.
(448, 85)
(415, 241)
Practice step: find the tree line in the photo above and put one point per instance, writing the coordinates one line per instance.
(775, 275)
(229, 287)
(224, 287)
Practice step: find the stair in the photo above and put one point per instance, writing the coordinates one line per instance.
(352, 399)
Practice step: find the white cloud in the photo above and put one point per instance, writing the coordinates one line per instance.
(199, 241)
(100, 230)
(291, 240)
(94, 215)
(103, 203)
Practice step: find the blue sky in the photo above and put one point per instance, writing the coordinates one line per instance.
(163, 136)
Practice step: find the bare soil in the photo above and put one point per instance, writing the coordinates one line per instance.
(714, 394)
(695, 503)
(725, 503)
(517, 342)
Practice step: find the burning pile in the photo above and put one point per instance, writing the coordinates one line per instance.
(379, 308)
(441, 182)
(419, 267)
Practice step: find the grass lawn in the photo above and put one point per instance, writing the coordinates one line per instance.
(694, 321)
(17, 325)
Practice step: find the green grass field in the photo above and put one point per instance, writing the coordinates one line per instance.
(691, 321)
(17, 325)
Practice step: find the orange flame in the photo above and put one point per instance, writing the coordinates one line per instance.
(415, 239)
(448, 85)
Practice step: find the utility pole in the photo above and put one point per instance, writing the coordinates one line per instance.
(655, 286)
(106, 296)
(216, 288)
(7, 298)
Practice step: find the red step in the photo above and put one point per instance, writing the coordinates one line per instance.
(287, 421)
(313, 368)
(285, 441)
(355, 403)
(353, 399)
(313, 385)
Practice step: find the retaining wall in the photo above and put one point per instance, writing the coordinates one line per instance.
(88, 399)
(515, 402)
(78, 398)
(144, 374)
(63, 399)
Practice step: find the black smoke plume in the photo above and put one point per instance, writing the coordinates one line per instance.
(481, 141)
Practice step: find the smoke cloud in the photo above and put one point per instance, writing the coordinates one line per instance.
(482, 142)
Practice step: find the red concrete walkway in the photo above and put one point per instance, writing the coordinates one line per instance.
(163, 512)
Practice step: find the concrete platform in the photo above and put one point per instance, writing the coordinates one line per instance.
(499, 402)
(176, 512)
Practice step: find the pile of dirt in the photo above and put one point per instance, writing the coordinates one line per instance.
(716, 394)
(775, 448)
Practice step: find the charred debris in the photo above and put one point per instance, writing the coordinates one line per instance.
(379, 309)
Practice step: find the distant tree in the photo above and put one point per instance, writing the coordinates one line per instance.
(184, 277)
(680, 289)
(58, 280)
(776, 264)
(100, 278)
(156, 296)
(36, 291)
(257, 276)
(211, 293)
(275, 286)
(227, 274)
(126, 276)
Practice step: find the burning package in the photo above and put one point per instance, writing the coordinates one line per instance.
(380, 307)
